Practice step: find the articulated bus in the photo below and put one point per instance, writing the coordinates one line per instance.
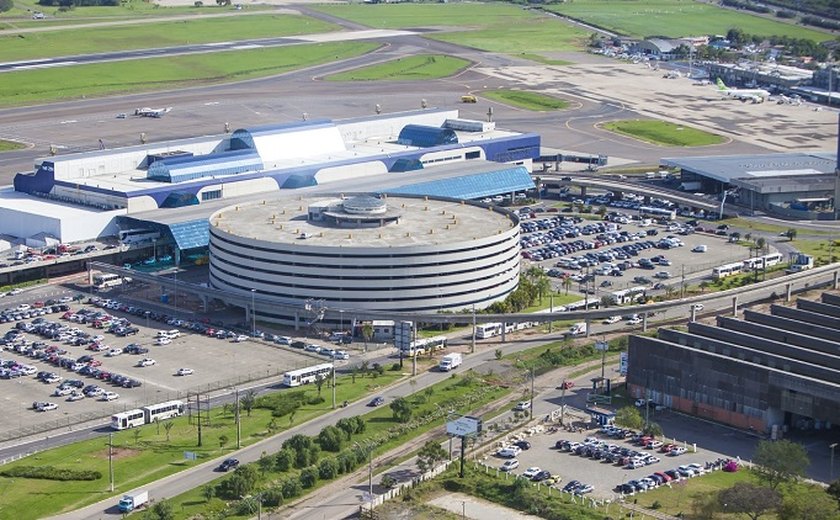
(745, 266)
(306, 375)
(646, 211)
(727, 270)
(147, 415)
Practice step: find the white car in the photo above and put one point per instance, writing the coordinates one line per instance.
(679, 450)
(113, 352)
(163, 340)
(184, 372)
(146, 362)
(240, 338)
(340, 354)
(509, 465)
(634, 321)
(62, 391)
(530, 472)
(509, 452)
(697, 307)
(109, 396)
(699, 249)
(46, 407)
(611, 320)
(522, 406)
(15, 291)
(75, 396)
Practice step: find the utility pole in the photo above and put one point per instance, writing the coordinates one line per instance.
(682, 284)
(238, 430)
(333, 385)
(531, 408)
(550, 310)
(198, 402)
(472, 342)
(111, 460)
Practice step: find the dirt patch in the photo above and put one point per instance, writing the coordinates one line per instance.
(118, 453)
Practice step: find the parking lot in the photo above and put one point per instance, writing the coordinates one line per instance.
(602, 476)
(215, 363)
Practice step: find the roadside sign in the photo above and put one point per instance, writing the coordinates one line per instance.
(601, 346)
(190, 455)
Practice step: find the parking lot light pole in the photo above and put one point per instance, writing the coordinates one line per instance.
(831, 463)
(253, 313)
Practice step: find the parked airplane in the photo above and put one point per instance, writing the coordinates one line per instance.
(756, 95)
(151, 112)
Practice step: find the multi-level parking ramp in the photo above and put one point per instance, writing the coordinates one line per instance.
(780, 287)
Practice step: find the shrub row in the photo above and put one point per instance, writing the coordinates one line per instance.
(50, 473)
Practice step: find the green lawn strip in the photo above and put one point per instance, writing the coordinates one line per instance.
(6, 146)
(527, 100)
(539, 58)
(544, 358)
(663, 133)
(410, 68)
(47, 85)
(492, 27)
(148, 457)
(769, 227)
(125, 9)
(382, 430)
(163, 34)
(676, 18)
(681, 496)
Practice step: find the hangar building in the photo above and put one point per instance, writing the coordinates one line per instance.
(140, 191)
(799, 185)
(769, 371)
(388, 253)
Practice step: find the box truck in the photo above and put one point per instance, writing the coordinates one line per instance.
(131, 501)
(450, 362)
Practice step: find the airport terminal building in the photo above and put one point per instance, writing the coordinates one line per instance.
(388, 253)
(769, 371)
(170, 189)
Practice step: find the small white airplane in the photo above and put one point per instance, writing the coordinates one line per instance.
(151, 112)
(756, 95)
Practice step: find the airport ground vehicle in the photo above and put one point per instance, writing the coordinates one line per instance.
(450, 361)
(131, 501)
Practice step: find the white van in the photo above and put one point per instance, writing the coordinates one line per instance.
(578, 329)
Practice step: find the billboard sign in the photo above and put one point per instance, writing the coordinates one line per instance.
(622, 363)
(464, 426)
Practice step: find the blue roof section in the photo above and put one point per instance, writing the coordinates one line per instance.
(192, 234)
(503, 180)
(187, 168)
(426, 136)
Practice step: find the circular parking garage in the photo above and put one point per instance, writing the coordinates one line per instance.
(418, 254)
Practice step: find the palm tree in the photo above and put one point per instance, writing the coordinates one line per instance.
(367, 333)
(567, 284)
(364, 368)
(538, 185)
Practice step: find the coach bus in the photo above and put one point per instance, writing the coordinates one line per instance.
(487, 330)
(424, 345)
(657, 213)
(307, 375)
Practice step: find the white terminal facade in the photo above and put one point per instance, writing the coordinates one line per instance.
(394, 253)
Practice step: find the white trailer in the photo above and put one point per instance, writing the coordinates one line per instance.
(450, 362)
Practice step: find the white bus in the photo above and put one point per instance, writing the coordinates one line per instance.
(727, 270)
(307, 375)
(163, 411)
(659, 213)
(424, 345)
(762, 262)
(137, 236)
(487, 330)
(106, 280)
(129, 419)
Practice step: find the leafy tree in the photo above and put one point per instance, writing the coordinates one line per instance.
(241, 483)
(780, 461)
(284, 459)
(808, 503)
(346, 461)
(327, 469)
(834, 490)
(791, 234)
(498, 353)
(6, 5)
(653, 429)
(330, 439)
(223, 439)
(308, 477)
(567, 284)
(161, 510)
(265, 463)
(388, 481)
(208, 492)
(248, 400)
(749, 499)
(364, 368)
(291, 488)
(304, 449)
(629, 417)
(705, 506)
(273, 497)
(136, 436)
(319, 382)
(430, 455)
(401, 410)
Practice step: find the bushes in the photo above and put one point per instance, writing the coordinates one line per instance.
(308, 477)
(50, 473)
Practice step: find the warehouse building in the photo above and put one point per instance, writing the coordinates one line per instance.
(389, 253)
(800, 185)
(768, 371)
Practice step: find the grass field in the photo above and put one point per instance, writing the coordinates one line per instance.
(676, 18)
(424, 66)
(770, 227)
(127, 9)
(148, 457)
(164, 34)
(6, 146)
(526, 100)
(499, 28)
(47, 85)
(663, 133)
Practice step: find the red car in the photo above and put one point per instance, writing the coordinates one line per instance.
(566, 385)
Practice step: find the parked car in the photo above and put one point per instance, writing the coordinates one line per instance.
(531, 472)
(509, 465)
(109, 396)
(509, 452)
(184, 372)
(522, 406)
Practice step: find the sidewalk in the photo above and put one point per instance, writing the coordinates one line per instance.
(469, 506)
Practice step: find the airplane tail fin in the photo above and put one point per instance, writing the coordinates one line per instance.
(721, 85)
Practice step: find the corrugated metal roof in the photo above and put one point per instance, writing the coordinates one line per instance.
(728, 167)
(504, 180)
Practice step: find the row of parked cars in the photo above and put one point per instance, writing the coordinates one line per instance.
(25, 311)
(660, 477)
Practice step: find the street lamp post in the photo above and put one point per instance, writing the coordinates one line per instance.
(253, 313)
(831, 463)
